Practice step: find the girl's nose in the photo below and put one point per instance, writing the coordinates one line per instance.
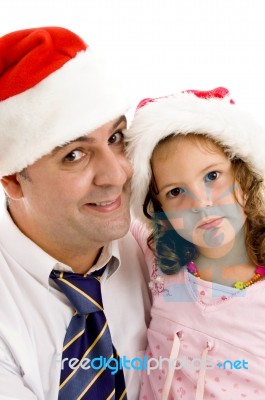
(201, 199)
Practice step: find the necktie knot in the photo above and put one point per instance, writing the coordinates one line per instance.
(83, 291)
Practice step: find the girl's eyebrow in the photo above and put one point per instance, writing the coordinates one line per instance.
(214, 166)
(167, 185)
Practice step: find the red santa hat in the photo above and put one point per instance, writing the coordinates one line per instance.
(210, 113)
(53, 89)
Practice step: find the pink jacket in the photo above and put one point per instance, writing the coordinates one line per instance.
(213, 345)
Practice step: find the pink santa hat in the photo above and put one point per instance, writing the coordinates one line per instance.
(212, 113)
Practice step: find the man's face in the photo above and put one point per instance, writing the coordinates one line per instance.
(80, 192)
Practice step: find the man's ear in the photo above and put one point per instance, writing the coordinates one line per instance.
(12, 186)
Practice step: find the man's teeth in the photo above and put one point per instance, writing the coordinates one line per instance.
(104, 203)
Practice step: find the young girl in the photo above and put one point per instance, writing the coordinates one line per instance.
(198, 186)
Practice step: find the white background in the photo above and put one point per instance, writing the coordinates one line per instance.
(162, 46)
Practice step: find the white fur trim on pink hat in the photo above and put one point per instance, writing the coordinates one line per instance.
(186, 113)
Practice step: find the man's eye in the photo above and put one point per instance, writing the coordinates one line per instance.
(175, 192)
(211, 176)
(117, 137)
(74, 155)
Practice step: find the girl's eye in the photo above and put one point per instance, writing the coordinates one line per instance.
(74, 155)
(175, 192)
(211, 176)
(117, 137)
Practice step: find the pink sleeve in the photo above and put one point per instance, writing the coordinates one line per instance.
(141, 233)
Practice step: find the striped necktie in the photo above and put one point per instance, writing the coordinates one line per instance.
(87, 343)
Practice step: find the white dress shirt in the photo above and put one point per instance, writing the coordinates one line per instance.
(34, 314)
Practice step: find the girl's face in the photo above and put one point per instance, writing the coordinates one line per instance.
(198, 193)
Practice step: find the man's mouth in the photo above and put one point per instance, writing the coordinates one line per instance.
(106, 205)
(103, 203)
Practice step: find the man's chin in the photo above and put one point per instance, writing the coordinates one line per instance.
(118, 228)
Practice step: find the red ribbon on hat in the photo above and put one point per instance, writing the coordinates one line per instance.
(217, 93)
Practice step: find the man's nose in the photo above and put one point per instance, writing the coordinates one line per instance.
(113, 169)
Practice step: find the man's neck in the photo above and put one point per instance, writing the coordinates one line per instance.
(81, 257)
(80, 263)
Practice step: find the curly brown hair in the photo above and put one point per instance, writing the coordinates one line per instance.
(171, 250)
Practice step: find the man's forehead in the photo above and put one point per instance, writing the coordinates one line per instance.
(90, 138)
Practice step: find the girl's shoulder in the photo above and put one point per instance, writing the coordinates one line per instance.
(140, 232)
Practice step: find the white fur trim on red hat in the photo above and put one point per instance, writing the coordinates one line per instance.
(186, 113)
(79, 97)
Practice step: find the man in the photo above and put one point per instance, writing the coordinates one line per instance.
(67, 183)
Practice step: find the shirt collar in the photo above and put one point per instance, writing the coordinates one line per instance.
(109, 255)
(36, 261)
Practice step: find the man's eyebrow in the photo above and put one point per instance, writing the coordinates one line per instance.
(79, 139)
(89, 139)
(118, 122)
